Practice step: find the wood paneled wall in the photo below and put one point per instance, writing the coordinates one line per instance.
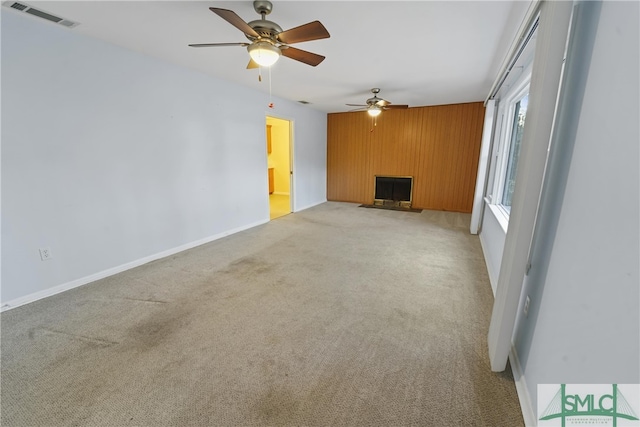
(438, 146)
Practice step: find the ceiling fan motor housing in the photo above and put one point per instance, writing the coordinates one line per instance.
(375, 99)
(267, 29)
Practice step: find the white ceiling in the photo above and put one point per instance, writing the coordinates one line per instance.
(418, 52)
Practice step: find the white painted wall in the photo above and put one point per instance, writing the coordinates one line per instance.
(492, 239)
(110, 157)
(584, 320)
(309, 155)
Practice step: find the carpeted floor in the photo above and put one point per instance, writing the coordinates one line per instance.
(329, 317)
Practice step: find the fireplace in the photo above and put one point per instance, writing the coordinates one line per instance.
(393, 191)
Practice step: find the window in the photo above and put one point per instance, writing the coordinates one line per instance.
(512, 112)
(513, 150)
(509, 110)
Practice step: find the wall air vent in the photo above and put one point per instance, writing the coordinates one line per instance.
(23, 7)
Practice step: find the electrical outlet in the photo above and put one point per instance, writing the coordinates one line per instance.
(527, 302)
(45, 254)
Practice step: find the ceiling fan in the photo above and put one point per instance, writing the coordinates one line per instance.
(267, 39)
(375, 105)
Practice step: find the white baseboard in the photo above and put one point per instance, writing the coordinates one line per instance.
(301, 208)
(528, 412)
(17, 302)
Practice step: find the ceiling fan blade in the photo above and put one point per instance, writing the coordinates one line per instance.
(252, 64)
(232, 18)
(397, 107)
(218, 44)
(308, 58)
(304, 33)
(357, 109)
(356, 105)
(383, 103)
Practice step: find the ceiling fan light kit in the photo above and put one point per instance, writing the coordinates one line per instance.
(268, 41)
(374, 111)
(264, 53)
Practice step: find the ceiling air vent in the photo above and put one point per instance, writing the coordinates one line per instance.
(68, 23)
(19, 6)
(23, 7)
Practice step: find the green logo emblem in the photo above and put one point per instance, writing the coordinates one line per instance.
(588, 405)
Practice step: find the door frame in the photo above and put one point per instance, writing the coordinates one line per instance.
(291, 155)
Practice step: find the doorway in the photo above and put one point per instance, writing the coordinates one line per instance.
(279, 166)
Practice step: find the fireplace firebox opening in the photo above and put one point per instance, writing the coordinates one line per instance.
(393, 191)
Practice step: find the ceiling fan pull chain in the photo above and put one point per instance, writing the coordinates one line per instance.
(270, 100)
(374, 121)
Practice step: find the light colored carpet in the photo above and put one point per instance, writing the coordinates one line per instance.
(337, 315)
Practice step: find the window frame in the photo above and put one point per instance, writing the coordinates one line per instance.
(504, 130)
